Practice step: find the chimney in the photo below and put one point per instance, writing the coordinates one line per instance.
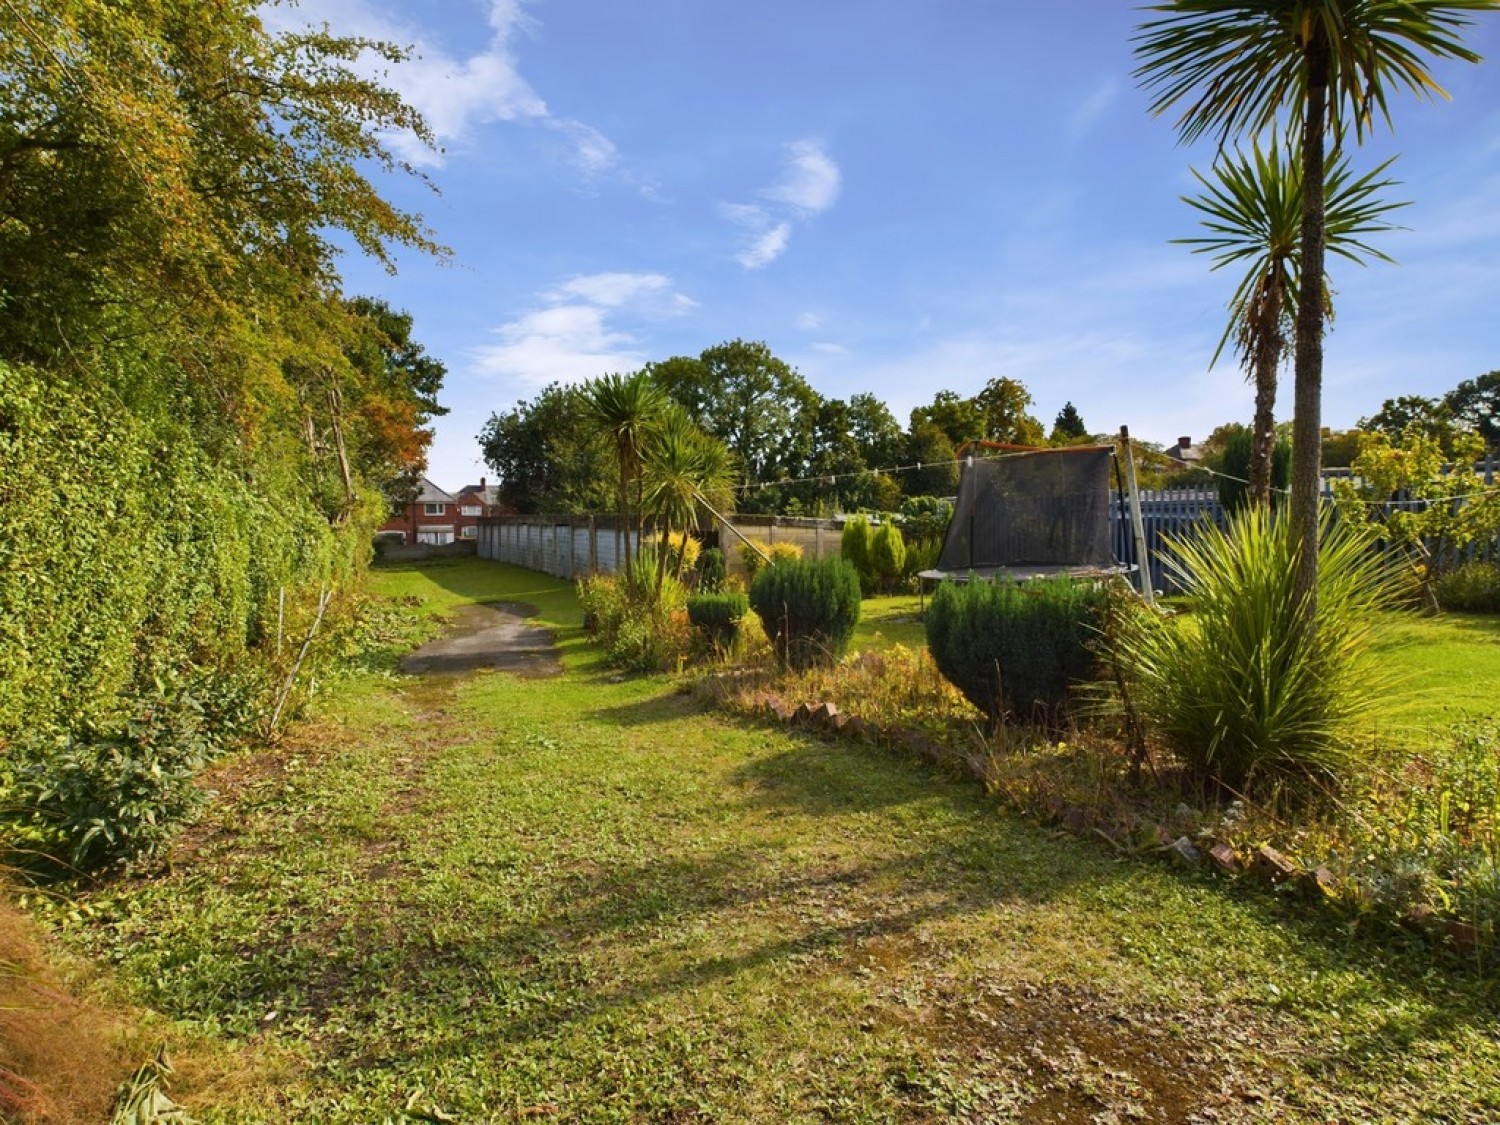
(481, 484)
(1184, 442)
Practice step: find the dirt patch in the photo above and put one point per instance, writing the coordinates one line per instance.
(1060, 1054)
(489, 635)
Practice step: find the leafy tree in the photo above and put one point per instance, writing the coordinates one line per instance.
(1068, 426)
(1253, 211)
(1002, 407)
(1409, 414)
(548, 454)
(957, 417)
(1339, 447)
(875, 431)
(1448, 506)
(394, 395)
(1331, 65)
(931, 450)
(742, 394)
(1475, 403)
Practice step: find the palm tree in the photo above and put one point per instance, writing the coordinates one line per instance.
(1331, 65)
(1252, 209)
(684, 468)
(627, 408)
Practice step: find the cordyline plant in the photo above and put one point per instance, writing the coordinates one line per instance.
(1248, 689)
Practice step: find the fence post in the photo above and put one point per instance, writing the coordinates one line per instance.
(1143, 561)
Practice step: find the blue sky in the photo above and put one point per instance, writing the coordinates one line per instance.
(898, 196)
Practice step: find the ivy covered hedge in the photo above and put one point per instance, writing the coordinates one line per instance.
(128, 554)
(138, 571)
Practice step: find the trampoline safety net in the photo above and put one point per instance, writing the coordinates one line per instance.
(1048, 508)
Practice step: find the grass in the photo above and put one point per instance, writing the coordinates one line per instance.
(589, 899)
(1451, 664)
(886, 621)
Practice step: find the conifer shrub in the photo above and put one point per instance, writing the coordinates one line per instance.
(712, 572)
(887, 556)
(717, 617)
(1017, 651)
(857, 545)
(808, 609)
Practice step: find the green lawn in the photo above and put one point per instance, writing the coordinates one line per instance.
(589, 899)
(1451, 664)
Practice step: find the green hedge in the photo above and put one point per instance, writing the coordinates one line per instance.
(1016, 651)
(138, 568)
(808, 608)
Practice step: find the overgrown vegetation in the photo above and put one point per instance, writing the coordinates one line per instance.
(198, 429)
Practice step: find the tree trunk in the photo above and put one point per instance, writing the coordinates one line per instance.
(1307, 422)
(1268, 348)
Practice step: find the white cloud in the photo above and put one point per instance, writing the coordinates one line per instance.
(610, 289)
(574, 335)
(810, 181)
(809, 185)
(456, 94)
(767, 247)
(1093, 108)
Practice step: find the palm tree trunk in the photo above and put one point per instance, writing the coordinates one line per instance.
(1307, 432)
(1268, 349)
(624, 523)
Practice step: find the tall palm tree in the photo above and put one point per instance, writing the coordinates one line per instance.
(684, 467)
(627, 408)
(1253, 209)
(1330, 65)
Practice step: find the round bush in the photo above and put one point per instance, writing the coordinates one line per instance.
(718, 616)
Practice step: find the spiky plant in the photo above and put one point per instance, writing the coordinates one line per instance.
(1249, 690)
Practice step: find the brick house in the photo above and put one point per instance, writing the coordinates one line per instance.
(436, 517)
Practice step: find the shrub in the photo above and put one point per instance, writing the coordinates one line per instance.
(640, 627)
(1016, 651)
(887, 555)
(808, 609)
(1471, 587)
(718, 616)
(857, 545)
(1245, 691)
(920, 555)
(711, 571)
(99, 798)
(926, 517)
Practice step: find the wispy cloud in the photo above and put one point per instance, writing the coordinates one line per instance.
(808, 185)
(810, 181)
(576, 333)
(1093, 108)
(456, 93)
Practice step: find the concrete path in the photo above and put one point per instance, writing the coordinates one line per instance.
(489, 635)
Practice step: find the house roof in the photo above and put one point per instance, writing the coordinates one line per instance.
(485, 493)
(432, 494)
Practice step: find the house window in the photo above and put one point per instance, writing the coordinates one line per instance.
(434, 509)
(470, 532)
(436, 537)
(471, 510)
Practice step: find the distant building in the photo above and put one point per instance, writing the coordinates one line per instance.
(436, 517)
(1186, 453)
